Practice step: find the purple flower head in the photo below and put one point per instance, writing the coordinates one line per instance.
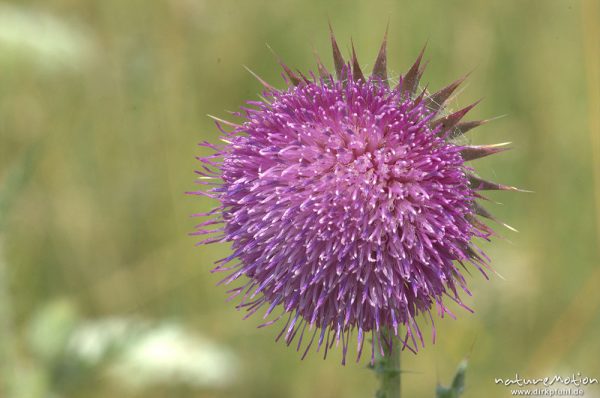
(349, 205)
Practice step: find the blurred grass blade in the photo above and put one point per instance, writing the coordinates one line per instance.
(17, 177)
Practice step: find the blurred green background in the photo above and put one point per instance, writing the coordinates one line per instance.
(102, 104)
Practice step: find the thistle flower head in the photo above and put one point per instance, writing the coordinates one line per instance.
(349, 205)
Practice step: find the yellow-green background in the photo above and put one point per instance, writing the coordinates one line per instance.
(103, 220)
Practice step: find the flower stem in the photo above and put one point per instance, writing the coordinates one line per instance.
(387, 367)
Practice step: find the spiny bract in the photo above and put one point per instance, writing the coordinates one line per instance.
(348, 204)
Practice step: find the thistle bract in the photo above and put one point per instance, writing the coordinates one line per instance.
(348, 203)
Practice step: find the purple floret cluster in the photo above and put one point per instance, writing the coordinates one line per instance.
(348, 205)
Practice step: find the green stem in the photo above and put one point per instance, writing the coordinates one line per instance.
(387, 367)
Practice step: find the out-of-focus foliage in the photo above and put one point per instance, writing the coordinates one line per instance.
(68, 353)
(114, 95)
(31, 35)
(457, 387)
